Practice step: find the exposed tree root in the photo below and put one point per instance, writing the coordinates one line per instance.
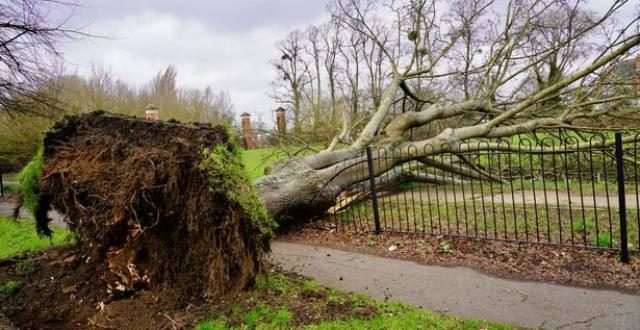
(134, 195)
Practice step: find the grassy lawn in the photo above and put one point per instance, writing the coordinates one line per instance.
(256, 160)
(20, 236)
(438, 211)
(283, 302)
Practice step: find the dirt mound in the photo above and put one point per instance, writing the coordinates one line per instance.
(58, 291)
(144, 210)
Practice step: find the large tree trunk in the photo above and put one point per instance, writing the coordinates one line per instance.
(296, 190)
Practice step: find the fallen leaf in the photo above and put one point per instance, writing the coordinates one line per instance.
(69, 289)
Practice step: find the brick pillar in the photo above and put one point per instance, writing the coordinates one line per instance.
(281, 121)
(247, 132)
(152, 112)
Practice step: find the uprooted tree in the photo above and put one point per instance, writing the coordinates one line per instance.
(167, 205)
(152, 205)
(510, 69)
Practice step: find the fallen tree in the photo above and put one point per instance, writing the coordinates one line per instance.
(154, 205)
(542, 64)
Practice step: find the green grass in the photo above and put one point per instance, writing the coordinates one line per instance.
(279, 302)
(256, 160)
(397, 316)
(418, 211)
(20, 236)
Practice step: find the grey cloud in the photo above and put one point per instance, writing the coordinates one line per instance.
(198, 37)
(220, 15)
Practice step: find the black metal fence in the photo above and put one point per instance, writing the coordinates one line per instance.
(554, 187)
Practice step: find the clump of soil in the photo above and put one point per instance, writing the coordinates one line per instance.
(143, 211)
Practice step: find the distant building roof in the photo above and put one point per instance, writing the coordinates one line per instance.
(280, 109)
(245, 114)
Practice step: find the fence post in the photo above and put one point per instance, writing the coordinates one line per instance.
(374, 196)
(622, 207)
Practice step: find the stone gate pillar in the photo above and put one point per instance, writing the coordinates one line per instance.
(281, 121)
(247, 132)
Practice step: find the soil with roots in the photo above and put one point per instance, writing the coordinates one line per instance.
(150, 230)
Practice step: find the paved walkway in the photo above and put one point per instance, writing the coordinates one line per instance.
(462, 291)
(521, 197)
(6, 210)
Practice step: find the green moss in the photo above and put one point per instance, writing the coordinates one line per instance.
(227, 176)
(29, 181)
(10, 287)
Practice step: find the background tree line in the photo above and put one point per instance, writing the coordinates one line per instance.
(331, 77)
(21, 131)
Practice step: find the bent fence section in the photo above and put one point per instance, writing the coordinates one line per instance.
(555, 187)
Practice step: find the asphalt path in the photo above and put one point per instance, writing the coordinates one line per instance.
(462, 291)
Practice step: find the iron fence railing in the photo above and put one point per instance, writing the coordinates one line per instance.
(556, 187)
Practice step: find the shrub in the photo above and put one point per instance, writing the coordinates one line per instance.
(29, 182)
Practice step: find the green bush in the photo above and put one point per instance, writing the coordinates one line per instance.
(29, 182)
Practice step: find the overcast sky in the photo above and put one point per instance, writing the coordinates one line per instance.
(225, 44)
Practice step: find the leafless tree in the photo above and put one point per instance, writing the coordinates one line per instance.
(292, 76)
(29, 33)
(522, 65)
